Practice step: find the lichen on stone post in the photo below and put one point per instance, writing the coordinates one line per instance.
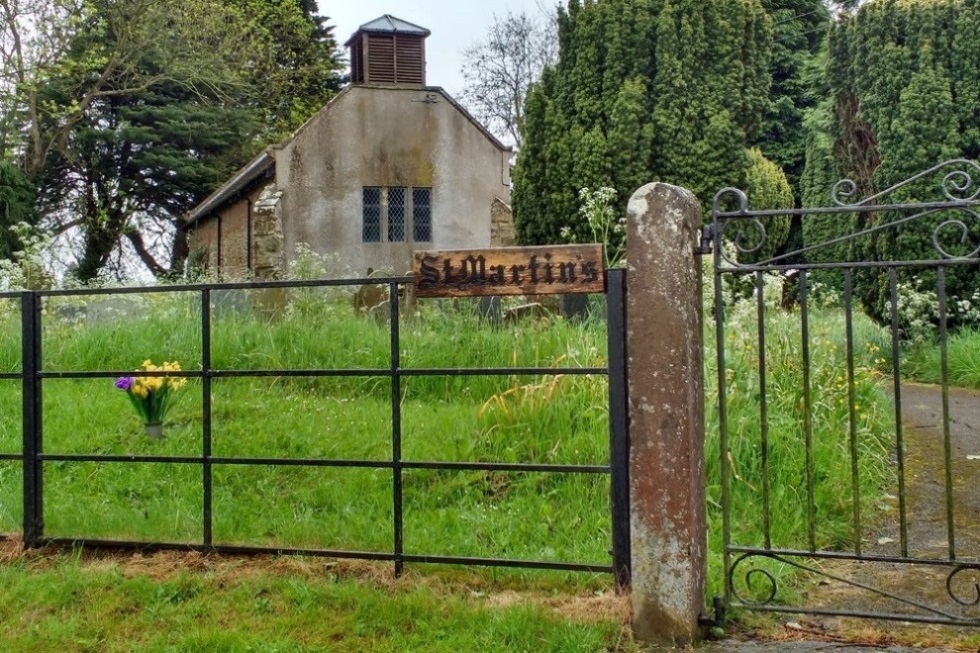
(666, 406)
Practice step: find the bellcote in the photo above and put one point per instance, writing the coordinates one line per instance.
(388, 50)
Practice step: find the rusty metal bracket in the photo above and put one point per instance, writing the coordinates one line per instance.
(707, 238)
(719, 618)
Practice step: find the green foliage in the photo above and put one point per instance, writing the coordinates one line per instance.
(152, 103)
(924, 361)
(643, 90)
(821, 174)
(905, 97)
(17, 205)
(767, 188)
(603, 224)
(799, 28)
(26, 269)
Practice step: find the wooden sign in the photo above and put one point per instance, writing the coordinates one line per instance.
(562, 269)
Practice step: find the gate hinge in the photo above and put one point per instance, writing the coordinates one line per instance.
(718, 620)
(707, 238)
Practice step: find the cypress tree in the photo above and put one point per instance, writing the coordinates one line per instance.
(904, 82)
(644, 90)
(799, 31)
(630, 135)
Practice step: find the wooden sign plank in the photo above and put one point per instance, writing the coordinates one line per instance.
(548, 270)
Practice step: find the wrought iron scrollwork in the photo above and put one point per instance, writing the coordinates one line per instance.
(751, 234)
(768, 589)
(750, 238)
(725, 195)
(976, 586)
(964, 232)
(845, 188)
(955, 238)
(755, 572)
(958, 185)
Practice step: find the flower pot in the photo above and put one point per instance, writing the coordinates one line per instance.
(154, 430)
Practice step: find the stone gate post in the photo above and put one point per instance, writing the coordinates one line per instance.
(666, 414)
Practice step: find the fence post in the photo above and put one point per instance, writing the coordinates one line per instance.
(666, 403)
(31, 402)
(619, 489)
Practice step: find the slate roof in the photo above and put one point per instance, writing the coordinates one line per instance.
(261, 166)
(388, 24)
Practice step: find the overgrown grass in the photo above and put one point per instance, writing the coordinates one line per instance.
(923, 362)
(544, 419)
(833, 489)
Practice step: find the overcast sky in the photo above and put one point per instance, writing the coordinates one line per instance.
(454, 24)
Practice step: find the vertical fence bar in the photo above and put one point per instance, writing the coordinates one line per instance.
(947, 441)
(719, 317)
(763, 408)
(206, 475)
(851, 408)
(619, 485)
(811, 511)
(396, 430)
(31, 398)
(899, 440)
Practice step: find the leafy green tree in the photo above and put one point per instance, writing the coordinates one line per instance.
(150, 104)
(799, 32)
(17, 204)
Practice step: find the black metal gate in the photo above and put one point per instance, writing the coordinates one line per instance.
(35, 459)
(842, 488)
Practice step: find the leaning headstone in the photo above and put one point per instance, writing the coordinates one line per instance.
(369, 296)
(490, 310)
(574, 307)
(531, 311)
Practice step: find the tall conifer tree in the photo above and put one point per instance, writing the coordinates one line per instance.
(903, 81)
(643, 90)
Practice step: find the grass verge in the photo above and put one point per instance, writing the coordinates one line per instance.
(187, 602)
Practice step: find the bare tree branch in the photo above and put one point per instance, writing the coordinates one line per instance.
(136, 240)
(501, 68)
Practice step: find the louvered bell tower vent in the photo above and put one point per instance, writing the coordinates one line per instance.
(388, 50)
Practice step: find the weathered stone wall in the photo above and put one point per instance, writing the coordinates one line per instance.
(203, 243)
(234, 240)
(388, 137)
(232, 222)
(268, 250)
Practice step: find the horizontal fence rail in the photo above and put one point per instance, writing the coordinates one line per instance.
(34, 376)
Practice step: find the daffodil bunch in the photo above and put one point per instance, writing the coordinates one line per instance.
(152, 396)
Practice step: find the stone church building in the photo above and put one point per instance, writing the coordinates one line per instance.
(388, 166)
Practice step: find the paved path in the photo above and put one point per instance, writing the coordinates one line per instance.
(803, 647)
(922, 417)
